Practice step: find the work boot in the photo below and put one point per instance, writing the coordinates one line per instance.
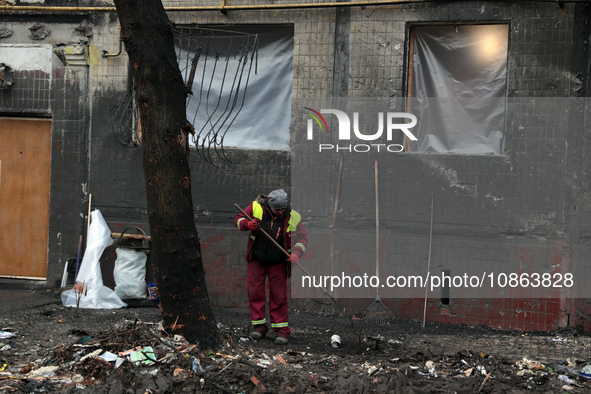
(256, 335)
(281, 340)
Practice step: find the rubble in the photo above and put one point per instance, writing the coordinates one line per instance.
(125, 349)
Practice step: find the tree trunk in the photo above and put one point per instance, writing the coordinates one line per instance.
(160, 92)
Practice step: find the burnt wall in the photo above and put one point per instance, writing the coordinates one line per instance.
(527, 207)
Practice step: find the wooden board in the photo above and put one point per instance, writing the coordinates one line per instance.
(25, 147)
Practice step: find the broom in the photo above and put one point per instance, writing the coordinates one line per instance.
(331, 302)
(377, 311)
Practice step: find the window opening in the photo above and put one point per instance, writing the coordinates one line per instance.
(240, 79)
(457, 86)
(240, 82)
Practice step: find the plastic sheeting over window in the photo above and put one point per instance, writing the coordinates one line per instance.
(458, 87)
(242, 82)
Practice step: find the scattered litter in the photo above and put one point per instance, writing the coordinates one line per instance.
(84, 339)
(566, 379)
(143, 356)
(573, 371)
(153, 292)
(586, 371)
(264, 363)
(140, 355)
(152, 372)
(92, 355)
(6, 334)
(43, 372)
(225, 355)
(179, 338)
(128, 352)
(178, 371)
(108, 356)
(523, 372)
(240, 365)
(256, 382)
(431, 372)
(370, 369)
(533, 365)
(335, 341)
(196, 366)
(118, 362)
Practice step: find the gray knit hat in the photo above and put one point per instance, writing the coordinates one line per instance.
(278, 199)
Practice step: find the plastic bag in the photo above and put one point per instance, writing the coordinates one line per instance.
(130, 274)
(89, 276)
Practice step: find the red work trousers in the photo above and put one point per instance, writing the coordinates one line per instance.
(256, 273)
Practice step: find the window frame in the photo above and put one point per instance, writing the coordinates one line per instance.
(409, 66)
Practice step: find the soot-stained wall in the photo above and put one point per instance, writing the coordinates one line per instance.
(528, 207)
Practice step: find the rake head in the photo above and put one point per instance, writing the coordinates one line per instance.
(326, 306)
(378, 313)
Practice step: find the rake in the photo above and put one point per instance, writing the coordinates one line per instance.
(377, 312)
(328, 305)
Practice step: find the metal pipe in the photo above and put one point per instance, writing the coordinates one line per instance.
(107, 54)
(226, 7)
(29, 8)
(297, 5)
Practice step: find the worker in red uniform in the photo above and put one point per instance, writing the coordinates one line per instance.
(273, 214)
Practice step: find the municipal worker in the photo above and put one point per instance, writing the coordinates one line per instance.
(265, 259)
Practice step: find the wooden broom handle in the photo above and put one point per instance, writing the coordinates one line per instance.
(334, 217)
(377, 229)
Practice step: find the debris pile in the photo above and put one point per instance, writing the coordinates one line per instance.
(370, 358)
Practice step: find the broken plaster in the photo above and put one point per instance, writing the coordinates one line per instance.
(451, 176)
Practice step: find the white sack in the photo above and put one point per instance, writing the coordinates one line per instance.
(130, 274)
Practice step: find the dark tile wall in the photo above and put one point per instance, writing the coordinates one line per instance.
(491, 211)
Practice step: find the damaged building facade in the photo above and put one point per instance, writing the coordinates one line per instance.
(501, 200)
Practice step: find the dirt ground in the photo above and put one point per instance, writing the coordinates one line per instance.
(49, 348)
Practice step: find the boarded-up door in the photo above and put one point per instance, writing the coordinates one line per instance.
(24, 196)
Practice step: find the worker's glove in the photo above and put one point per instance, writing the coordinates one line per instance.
(293, 258)
(253, 225)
